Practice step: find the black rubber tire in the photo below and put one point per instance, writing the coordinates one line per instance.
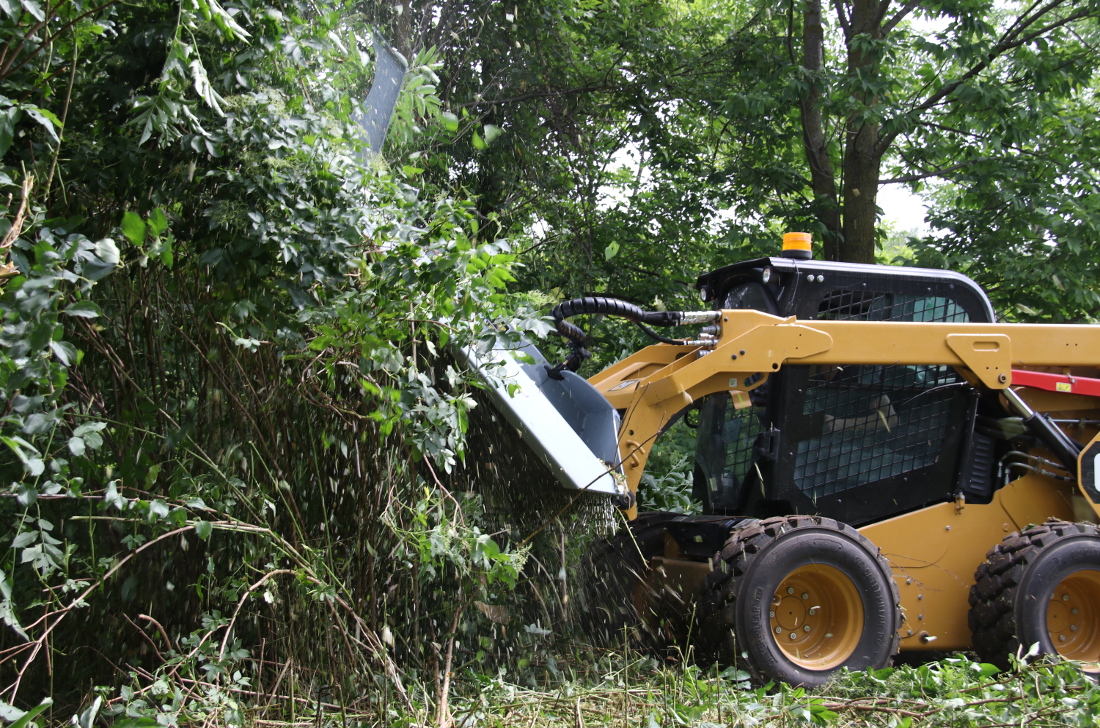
(612, 570)
(1014, 586)
(760, 556)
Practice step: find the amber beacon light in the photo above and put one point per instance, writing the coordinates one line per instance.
(797, 245)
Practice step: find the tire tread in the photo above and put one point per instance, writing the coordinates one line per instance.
(733, 561)
(992, 616)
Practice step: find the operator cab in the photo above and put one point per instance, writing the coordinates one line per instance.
(842, 441)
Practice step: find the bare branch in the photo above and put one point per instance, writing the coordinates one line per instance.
(934, 173)
(900, 15)
(842, 18)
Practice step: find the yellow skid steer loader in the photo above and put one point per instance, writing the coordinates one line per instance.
(882, 466)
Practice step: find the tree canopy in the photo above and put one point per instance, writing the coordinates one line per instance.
(653, 140)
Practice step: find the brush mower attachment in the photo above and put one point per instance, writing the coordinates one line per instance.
(562, 418)
(565, 420)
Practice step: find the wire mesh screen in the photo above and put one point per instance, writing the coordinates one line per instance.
(871, 306)
(728, 428)
(862, 424)
(729, 423)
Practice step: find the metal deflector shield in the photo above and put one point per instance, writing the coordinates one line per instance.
(376, 112)
(567, 422)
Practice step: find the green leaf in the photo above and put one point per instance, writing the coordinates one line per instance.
(83, 309)
(133, 227)
(204, 88)
(8, 119)
(611, 250)
(24, 539)
(450, 121)
(7, 614)
(28, 494)
(479, 143)
(76, 446)
(107, 251)
(158, 222)
(11, 8)
(45, 119)
(492, 131)
(113, 498)
(33, 7)
(158, 509)
(32, 714)
(166, 255)
(225, 22)
(203, 529)
(64, 351)
(89, 427)
(1026, 309)
(87, 718)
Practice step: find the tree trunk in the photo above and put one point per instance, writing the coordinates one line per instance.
(822, 176)
(403, 29)
(861, 176)
(862, 158)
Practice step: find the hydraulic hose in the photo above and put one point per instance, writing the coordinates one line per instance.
(608, 307)
(620, 309)
(1062, 445)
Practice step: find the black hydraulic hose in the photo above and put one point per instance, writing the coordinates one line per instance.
(570, 331)
(1066, 448)
(607, 307)
(654, 335)
(1062, 445)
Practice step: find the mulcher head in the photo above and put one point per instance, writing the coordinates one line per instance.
(542, 445)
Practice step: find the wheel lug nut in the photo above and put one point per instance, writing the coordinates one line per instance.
(813, 612)
(1074, 610)
(1073, 628)
(771, 613)
(1061, 638)
(793, 635)
(805, 595)
(806, 628)
(1065, 597)
(778, 630)
(790, 590)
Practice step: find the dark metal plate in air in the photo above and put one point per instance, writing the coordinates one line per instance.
(377, 110)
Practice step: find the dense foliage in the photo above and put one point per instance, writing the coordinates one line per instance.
(224, 405)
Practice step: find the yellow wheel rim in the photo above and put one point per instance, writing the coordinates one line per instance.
(1072, 618)
(816, 617)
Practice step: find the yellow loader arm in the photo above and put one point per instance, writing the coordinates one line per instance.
(655, 384)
